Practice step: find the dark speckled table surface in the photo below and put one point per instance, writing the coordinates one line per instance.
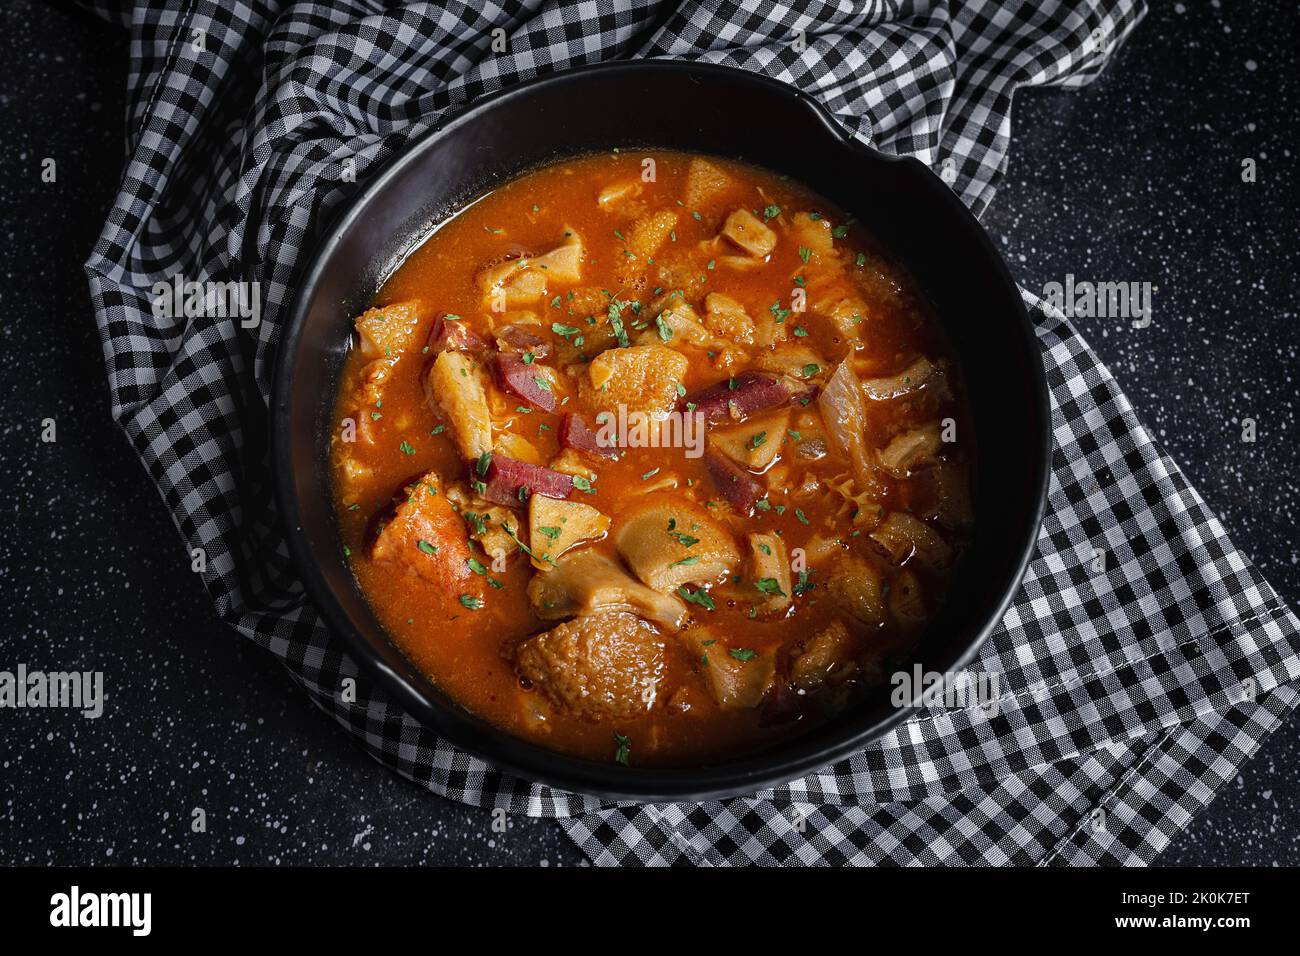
(1135, 178)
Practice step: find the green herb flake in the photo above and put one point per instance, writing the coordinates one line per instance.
(697, 597)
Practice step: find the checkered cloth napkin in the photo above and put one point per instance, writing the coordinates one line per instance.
(1130, 693)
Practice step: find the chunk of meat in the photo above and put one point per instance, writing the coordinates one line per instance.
(563, 264)
(522, 337)
(556, 527)
(600, 666)
(532, 382)
(911, 448)
(797, 362)
(863, 507)
(388, 331)
(512, 483)
(455, 386)
(828, 656)
(727, 318)
(756, 444)
(428, 538)
(919, 375)
(368, 399)
(740, 488)
(575, 433)
(739, 678)
(587, 582)
(668, 542)
(643, 379)
(906, 601)
(618, 195)
(769, 572)
(674, 323)
(525, 281)
(906, 538)
(814, 235)
(941, 493)
(847, 314)
(516, 446)
(448, 333)
(740, 396)
(644, 239)
(858, 587)
(744, 229)
(704, 182)
(845, 415)
(485, 523)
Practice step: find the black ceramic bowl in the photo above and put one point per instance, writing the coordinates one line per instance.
(694, 108)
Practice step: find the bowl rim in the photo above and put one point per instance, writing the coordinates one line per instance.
(531, 762)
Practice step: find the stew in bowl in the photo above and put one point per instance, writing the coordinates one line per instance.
(653, 458)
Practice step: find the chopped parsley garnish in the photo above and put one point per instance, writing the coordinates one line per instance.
(693, 559)
(771, 212)
(616, 323)
(476, 565)
(757, 440)
(551, 533)
(798, 513)
(697, 597)
(484, 462)
(426, 547)
(471, 602)
(406, 447)
(811, 369)
(743, 653)
(665, 332)
(769, 586)
(624, 750)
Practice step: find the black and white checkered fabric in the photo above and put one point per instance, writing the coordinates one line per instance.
(1130, 693)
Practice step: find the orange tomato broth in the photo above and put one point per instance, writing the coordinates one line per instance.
(467, 652)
